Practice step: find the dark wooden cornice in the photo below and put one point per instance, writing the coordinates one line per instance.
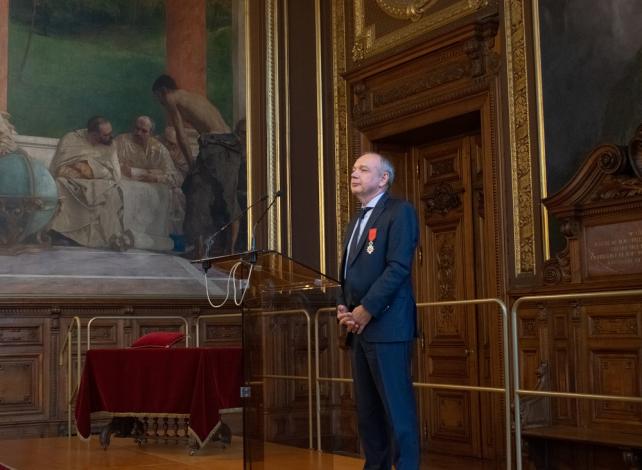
(378, 64)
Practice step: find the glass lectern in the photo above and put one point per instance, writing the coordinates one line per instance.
(289, 333)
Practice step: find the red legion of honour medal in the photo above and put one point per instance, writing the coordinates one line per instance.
(372, 234)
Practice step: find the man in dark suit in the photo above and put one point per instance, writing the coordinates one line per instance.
(378, 309)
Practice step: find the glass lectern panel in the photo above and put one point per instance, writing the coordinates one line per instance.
(289, 327)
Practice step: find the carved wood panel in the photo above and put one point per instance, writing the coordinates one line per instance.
(21, 386)
(610, 358)
(448, 273)
(593, 348)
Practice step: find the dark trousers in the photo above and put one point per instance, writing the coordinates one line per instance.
(386, 407)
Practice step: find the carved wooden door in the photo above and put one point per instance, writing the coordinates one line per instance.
(444, 182)
(447, 174)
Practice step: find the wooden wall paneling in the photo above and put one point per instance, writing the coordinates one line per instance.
(221, 332)
(534, 366)
(33, 386)
(563, 368)
(588, 347)
(612, 359)
(25, 358)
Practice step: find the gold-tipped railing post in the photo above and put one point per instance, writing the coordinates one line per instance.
(67, 347)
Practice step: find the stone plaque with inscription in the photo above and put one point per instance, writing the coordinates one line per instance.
(614, 249)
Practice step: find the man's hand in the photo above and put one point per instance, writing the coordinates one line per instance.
(147, 178)
(345, 318)
(84, 169)
(361, 317)
(126, 170)
(354, 321)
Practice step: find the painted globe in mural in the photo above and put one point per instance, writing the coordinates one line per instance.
(28, 197)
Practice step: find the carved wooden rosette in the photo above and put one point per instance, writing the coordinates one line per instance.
(441, 199)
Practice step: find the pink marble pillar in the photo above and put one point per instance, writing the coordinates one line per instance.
(4, 53)
(186, 43)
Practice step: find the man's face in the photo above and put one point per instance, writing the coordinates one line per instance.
(367, 178)
(104, 134)
(161, 96)
(170, 134)
(142, 131)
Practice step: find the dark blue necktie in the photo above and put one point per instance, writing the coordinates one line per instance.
(355, 236)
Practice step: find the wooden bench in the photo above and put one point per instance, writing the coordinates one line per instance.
(568, 447)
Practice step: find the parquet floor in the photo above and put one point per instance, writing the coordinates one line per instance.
(61, 453)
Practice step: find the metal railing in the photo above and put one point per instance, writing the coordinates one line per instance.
(517, 390)
(506, 368)
(137, 317)
(508, 341)
(67, 346)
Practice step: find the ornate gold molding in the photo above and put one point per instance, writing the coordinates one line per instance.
(405, 9)
(287, 140)
(520, 138)
(248, 122)
(320, 148)
(341, 125)
(367, 44)
(272, 121)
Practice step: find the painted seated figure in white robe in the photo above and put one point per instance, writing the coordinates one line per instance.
(154, 202)
(87, 173)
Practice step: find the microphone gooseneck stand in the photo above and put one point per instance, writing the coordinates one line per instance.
(252, 257)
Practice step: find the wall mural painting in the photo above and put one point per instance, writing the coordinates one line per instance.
(591, 53)
(96, 166)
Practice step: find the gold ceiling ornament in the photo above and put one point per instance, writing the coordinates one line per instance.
(405, 9)
(366, 43)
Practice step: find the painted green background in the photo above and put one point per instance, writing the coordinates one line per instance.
(100, 57)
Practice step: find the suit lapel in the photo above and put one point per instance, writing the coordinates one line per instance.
(376, 212)
(346, 241)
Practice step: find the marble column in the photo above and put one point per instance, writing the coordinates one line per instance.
(186, 43)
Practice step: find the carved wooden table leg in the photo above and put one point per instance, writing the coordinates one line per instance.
(121, 427)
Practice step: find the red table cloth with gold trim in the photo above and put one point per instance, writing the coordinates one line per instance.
(198, 382)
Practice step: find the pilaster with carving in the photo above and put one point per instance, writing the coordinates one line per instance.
(521, 159)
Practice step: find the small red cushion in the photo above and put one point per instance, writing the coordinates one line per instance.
(158, 339)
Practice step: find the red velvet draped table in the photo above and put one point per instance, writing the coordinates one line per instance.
(198, 382)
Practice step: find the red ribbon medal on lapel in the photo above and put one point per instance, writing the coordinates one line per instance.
(372, 234)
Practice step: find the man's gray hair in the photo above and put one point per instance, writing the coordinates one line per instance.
(148, 119)
(387, 167)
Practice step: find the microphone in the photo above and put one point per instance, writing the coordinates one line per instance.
(275, 196)
(210, 239)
